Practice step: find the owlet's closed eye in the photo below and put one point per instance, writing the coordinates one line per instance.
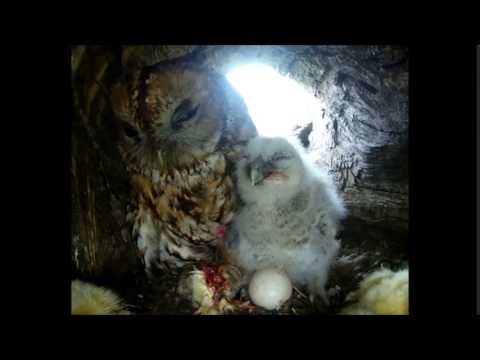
(280, 157)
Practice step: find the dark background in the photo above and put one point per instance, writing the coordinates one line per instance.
(443, 180)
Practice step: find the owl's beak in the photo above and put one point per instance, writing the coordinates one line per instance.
(256, 176)
(257, 170)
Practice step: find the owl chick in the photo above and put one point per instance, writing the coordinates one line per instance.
(290, 217)
(383, 292)
(182, 126)
(90, 299)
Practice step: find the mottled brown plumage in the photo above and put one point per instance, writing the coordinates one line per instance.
(182, 128)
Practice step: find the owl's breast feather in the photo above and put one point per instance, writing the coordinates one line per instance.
(194, 203)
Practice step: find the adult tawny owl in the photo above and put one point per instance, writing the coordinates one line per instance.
(182, 128)
(290, 217)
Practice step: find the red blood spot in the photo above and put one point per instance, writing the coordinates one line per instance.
(214, 277)
(219, 231)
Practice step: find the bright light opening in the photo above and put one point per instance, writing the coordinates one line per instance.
(277, 104)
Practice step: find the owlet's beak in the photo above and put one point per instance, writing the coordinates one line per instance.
(258, 168)
(256, 176)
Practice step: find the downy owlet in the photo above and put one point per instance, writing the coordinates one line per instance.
(290, 217)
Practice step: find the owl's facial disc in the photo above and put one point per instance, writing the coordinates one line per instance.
(273, 170)
(189, 130)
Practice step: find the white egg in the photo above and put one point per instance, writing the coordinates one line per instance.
(270, 288)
